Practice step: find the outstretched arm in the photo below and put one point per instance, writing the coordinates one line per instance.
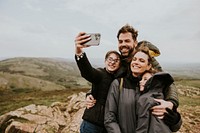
(87, 71)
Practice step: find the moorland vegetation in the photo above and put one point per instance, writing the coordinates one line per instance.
(42, 81)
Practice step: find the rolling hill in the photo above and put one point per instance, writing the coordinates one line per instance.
(40, 73)
(26, 80)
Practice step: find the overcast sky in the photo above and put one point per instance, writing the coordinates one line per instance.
(47, 28)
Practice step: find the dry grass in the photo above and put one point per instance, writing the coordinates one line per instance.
(14, 99)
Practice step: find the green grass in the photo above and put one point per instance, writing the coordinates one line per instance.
(189, 101)
(186, 100)
(14, 99)
(189, 82)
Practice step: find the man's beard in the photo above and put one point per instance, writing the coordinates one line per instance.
(126, 54)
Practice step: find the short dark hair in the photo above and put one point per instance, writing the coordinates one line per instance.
(128, 28)
(112, 52)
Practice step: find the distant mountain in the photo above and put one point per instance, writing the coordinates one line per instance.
(177, 69)
(3, 58)
(183, 70)
(40, 73)
(60, 73)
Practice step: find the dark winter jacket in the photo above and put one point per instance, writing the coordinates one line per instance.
(155, 87)
(101, 81)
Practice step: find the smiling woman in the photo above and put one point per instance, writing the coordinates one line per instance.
(112, 62)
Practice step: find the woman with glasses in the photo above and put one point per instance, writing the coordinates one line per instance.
(101, 78)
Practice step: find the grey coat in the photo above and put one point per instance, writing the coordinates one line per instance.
(154, 88)
(120, 115)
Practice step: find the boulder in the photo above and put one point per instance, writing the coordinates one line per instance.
(59, 117)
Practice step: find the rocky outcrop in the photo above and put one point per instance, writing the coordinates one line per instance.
(57, 118)
(66, 117)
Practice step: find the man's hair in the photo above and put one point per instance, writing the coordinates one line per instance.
(128, 28)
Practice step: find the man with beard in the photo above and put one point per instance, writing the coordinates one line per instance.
(127, 42)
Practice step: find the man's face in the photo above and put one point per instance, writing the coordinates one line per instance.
(126, 44)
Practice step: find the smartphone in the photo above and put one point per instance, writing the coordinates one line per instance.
(95, 39)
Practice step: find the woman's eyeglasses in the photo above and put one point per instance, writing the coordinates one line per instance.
(111, 60)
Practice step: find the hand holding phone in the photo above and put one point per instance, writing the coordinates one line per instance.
(95, 39)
